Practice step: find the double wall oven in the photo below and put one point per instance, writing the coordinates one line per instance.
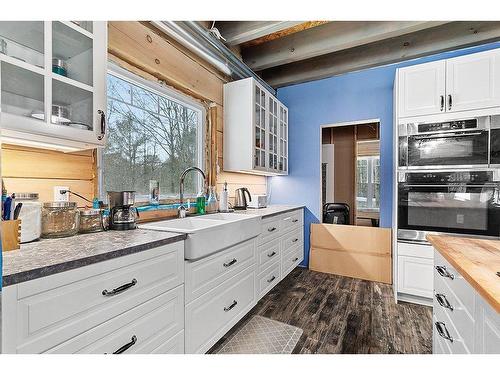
(449, 178)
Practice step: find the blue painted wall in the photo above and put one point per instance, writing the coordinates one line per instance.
(362, 95)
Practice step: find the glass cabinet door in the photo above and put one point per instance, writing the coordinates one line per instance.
(283, 134)
(273, 134)
(23, 41)
(259, 128)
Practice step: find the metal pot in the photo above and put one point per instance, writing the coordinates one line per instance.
(121, 198)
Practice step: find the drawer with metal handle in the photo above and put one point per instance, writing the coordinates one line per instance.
(291, 260)
(292, 239)
(267, 279)
(270, 229)
(205, 274)
(268, 254)
(292, 220)
(446, 332)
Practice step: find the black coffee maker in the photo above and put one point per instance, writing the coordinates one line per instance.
(123, 214)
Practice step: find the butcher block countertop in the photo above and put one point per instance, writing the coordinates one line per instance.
(477, 260)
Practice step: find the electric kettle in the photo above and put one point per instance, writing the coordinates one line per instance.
(240, 200)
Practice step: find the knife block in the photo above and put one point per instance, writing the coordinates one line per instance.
(11, 234)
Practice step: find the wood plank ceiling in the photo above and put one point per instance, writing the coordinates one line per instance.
(290, 52)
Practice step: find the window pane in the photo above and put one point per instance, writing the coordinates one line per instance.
(150, 138)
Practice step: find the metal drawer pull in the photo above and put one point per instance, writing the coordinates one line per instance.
(296, 259)
(271, 279)
(442, 102)
(443, 331)
(231, 306)
(271, 229)
(444, 272)
(295, 220)
(230, 263)
(295, 240)
(450, 102)
(272, 254)
(443, 301)
(120, 289)
(127, 345)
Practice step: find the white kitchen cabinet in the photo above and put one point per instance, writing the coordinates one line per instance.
(255, 130)
(473, 81)
(415, 276)
(59, 107)
(422, 89)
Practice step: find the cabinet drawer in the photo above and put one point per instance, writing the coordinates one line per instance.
(292, 239)
(210, 316)
(291, 259)
(445, 272)
(162, 315)
(268, 254)
(415, 276)
(270, 229)
(456, 345)
(53, 309)
(206, 274)
(267, 279)
(292, 220)
(415, 250)
(444, 298)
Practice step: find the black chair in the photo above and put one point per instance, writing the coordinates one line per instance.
(336, 213)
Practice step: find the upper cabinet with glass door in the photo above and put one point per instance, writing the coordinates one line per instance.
(53, 83)
(255, 130)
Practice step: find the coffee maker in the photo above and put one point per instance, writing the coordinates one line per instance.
(122, 212)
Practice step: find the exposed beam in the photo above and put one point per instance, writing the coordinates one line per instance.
(327, 38)
(238, 32)
(439, 39)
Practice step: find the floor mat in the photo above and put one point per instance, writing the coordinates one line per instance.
(262, 336)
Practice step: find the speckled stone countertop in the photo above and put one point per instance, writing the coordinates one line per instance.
(50, 256)
(269, 211)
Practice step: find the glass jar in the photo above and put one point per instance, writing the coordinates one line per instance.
(91, 221)
(30, 216)
(60, 219)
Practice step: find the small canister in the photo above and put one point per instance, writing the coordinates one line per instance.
(91, 221)
(60, 219)
(59, 66)
(30, 216)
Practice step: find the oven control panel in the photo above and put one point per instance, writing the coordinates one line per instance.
(449, 177)
(450, 125)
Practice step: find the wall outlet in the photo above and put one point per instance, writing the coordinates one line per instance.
(58, 197)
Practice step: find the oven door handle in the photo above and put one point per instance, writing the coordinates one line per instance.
(437, 136)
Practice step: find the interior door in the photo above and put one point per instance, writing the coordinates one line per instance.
(422, 89)
(473, 81)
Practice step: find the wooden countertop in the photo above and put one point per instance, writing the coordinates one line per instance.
(477, 260)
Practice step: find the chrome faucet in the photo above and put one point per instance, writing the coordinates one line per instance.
(182, 209)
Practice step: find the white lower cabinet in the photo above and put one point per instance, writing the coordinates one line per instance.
(463, 322)
(268, 278)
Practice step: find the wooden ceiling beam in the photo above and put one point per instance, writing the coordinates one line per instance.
(426, 42)
(325, 39)
(238, 32)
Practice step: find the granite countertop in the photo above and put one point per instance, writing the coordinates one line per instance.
(269, 211)
(50, 256)
(477, 260)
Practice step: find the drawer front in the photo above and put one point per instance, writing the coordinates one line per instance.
(134, 330)
(270, 229)
(267, 279)
(415, 250)
(455, 344)
(445, 299)
(415, 276)
(291, 260)
(175, 345)
(292, 220)
(445, 272)
(210, 316)
(50, 317)
(291, 240)
(268, 254)
(206, 274)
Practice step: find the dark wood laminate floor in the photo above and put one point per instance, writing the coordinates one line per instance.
(344, 315)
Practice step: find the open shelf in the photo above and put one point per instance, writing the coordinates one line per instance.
(24, 43)
(79, 102)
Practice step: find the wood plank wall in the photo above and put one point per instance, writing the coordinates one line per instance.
(143, 50)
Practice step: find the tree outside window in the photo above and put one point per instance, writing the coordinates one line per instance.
(368, 182)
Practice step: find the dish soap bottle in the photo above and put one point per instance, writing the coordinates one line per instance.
(223, 205)
(200, 202)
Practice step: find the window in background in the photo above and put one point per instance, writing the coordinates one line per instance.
(152, 135)
(368, 182)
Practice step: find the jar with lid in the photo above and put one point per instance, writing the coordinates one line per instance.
(60, 219)
(91, 221)
(30, 216)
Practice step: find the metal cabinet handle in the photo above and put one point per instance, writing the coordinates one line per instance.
(295, 220)
(120, 289)
(272, 254)
(296, 259)
(271, 229)
(231, 306)
(443, 301)
(271, 279)
(103, 124)
(230, 263)
(443, 331)
(295, 240)
(450, 102)
(444, 272)
(442, 102)
(127, 346)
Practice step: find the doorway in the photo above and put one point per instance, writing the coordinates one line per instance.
(350, 173)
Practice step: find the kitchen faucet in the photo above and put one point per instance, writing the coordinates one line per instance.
(182, 209)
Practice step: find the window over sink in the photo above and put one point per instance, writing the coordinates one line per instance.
(154, 134)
